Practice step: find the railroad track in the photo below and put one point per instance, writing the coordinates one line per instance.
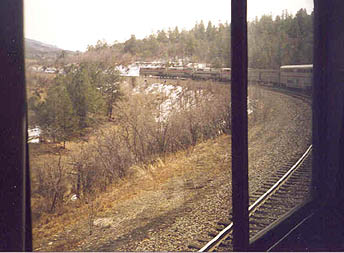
(284, 190)
(287, 188)
(304, 96)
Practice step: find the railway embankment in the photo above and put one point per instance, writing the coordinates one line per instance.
(175, 200)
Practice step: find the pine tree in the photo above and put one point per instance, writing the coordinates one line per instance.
(55, 115)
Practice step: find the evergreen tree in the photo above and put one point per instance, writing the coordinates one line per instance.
(110, 89)
(83, 87)
(55, 115)
(287, 39)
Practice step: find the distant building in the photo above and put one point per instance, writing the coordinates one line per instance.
(34, 135)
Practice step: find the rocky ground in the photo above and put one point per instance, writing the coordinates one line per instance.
(173, 204)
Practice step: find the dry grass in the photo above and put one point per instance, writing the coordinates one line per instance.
(211, 156)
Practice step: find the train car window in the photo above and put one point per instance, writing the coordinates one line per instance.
(274, 120)
(279, 117)
(307, 225)
(131, 137)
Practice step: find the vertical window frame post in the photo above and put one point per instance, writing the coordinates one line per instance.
(15, 225)
(239, 125)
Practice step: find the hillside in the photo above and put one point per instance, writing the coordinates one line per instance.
(272, 42)
(38, 50)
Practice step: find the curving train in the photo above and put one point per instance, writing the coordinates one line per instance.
(288, 76)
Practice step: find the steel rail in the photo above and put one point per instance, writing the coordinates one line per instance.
(225, 232)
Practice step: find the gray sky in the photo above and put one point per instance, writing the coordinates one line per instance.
(74, 24)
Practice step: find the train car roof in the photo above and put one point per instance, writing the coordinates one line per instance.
(297, 66)
(263, 70)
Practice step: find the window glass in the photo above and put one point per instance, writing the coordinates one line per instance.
(129, 117)
(128, 123)
(279, 110)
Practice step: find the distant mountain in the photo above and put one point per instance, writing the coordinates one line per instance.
(38, 50)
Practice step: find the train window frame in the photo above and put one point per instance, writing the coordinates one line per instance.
(15, 185)
(239, 123)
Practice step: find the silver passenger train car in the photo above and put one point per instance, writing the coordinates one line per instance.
(296, 76)
(288, 76)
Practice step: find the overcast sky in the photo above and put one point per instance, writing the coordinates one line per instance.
(74, 24)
